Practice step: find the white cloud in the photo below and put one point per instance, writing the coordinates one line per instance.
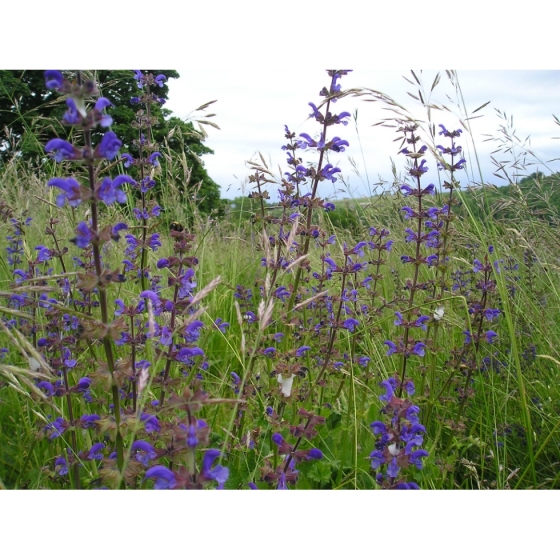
(254, 105)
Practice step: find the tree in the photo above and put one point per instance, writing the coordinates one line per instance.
(29, 116)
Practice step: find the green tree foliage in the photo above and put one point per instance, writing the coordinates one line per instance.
(29, 116)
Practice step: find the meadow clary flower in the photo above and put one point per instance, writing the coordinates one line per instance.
(219, 473)
(143, 452)
(95, 452)
(108, 147)
(491, 336)
(350, 324)
(392, 347)
(53, 79)
(164, 478)
(60, 466)
(72, 115)
(84, 237)
(62, 150)
(109, 190)
(129, 160)
(301, 350)
(103, 119)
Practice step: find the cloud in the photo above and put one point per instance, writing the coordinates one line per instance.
(254, 105)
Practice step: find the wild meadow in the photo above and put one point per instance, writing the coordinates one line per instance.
(401, 341)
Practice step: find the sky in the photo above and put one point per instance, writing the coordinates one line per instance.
(253, 106)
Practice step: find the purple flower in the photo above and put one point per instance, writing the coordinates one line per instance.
(153, 159)
(448, 134)
(109, 146)
(250, 317)
(139, 77)
(430, 189)
(409, 388)
(84, 237)
(390, 385)
(408, 212)
(415, 458)
(328, 172)
(218, 473)
(407, 486)
(153, 242)
(377, 459)
(378, 427)
(44, 253)
(152, 296)
(162, 263)
(85, 382)
(109, 191)
(421, 322)
(144, 452)
(310, 143)
(491, 336)
(277, 439)
(151, 423)
(62, 150)
(301, 350)
(282, 293)
(71, 191)
(392, 348)
(103, 103)
(88, 420)
(314, 454)
(164, 477)
(350, 324)
(342, 118)
(221, 324)
(95, 452)
(364, 360)
(418, 349)
(491, 314)
(406, 190)
(53, 79)
(129, 160)
(57, 428)
(72, 115)
(337, 145)
(315, 114)
(47, 388)
(60, 466)
(159, 79)
(185, 354)
(432, 260)
(393, 469)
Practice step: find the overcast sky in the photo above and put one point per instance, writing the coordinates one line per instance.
(254, 105)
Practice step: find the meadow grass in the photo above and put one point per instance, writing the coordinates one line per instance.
(298, 389)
